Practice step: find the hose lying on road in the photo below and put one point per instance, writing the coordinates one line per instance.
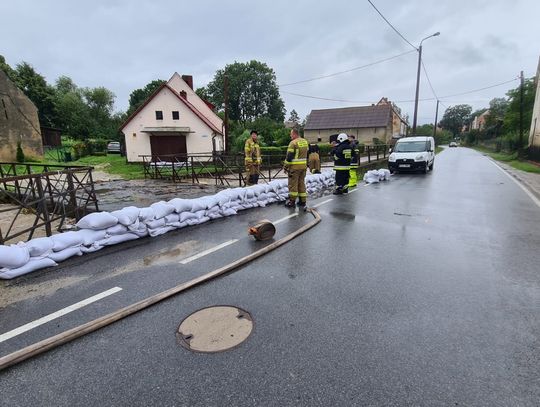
(81, 330)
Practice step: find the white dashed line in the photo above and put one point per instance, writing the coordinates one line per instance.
(208, 251)
(322, 203)
(57, 314)
(285, 218)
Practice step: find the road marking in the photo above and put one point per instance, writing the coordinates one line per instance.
(366, 185)
(353, 190)
(322, 203)
(208, 251)
(529, 193)
(57, 314)
(285, 218)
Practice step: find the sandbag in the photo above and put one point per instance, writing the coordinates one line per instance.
(127, 216)
(160, 231)
(97, 221)
(14, 256)
(181, 205)
(184, 216)
(112, 240)
(32, 265)
(65, 254)
(155, 224)
(62, 241)
(146, 214)
(162, 209)
(39, 246)
(90, 236)
(172, 218)
(116, 230)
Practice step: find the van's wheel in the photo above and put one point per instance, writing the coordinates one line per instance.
(431, 166)
(426, 168)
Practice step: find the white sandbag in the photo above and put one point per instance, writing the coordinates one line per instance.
(172, 218)
(65, 254)
(112, 240)
(146, 214)
(179, 225)
(141, 232)
(62, 241)
(228, 212)
(198, 205)
(91, 249)
(155, 224)
(181, 205)
(214, 215)
(32, 265)
(97, 221)
(162, 209)
(116, 230)
(200, 214)
(90, 236)
(39, 246)
(127, 216)
(384, 174)
(14, 256)
(184, 216)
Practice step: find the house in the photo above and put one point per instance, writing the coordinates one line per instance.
(534, 132)
(479, 122)
(380, 121)
(173, 120)
(19, 122)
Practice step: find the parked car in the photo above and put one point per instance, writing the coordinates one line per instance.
(453, 144)
(412, 154)
(113, 147)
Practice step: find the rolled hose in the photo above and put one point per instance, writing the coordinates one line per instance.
(91, 326)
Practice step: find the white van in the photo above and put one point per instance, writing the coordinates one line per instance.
(412, 154)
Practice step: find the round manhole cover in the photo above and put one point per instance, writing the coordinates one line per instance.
(215, 329)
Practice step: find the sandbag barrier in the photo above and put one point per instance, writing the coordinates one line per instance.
(101, 229)
(374, 176)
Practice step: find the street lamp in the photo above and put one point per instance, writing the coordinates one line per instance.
(419, 49)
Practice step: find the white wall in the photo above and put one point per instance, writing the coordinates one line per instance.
(138, 143)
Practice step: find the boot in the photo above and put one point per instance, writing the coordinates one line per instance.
(289, 203)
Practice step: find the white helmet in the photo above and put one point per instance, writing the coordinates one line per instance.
(342, 137)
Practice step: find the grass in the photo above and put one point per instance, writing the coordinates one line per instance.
(113, 164)
(438, 149)
(511, 159)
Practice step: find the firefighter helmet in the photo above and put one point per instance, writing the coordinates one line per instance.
(342, 137)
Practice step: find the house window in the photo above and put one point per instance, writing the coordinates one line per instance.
(175, 115)
(159, 115)
(319, 139)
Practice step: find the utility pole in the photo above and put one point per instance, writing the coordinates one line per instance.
(226, 121)
(520, 114)
(436, 114)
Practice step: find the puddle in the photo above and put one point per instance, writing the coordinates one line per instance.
(171, 255)
(344, 215)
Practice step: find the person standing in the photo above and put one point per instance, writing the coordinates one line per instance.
(355, 160)
(252, 159)
(342, 161)
(314, 159)
(296, 166)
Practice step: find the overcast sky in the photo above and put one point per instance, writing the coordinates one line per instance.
(122, 45)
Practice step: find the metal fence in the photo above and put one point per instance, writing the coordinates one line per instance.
(39, 197)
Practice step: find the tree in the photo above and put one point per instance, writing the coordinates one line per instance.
(138, 96)
(253, 92)
(511, 117)
(294, 118)
(8, 70)
(455, 117)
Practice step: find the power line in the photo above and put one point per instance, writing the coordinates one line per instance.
(346, 71)
(393, 28)
(479, 89)
(429, 81)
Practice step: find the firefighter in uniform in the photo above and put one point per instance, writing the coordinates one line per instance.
(342, 161)
(296, 166)
(355, 159)
(314, 159)
(253, 160)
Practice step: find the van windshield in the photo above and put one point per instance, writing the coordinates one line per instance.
(410, 146)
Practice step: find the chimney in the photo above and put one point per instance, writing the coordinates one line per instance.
(183, 94)
(188, 79)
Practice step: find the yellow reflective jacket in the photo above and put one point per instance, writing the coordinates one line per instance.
(297, 153)
(252, 151)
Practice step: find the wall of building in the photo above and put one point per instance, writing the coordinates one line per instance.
(534, 132)
(138, 142)
(18, 122)
(363, 135)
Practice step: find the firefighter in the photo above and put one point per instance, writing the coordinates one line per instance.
(253, 160)
(342, 161)
(314, 159)
(296, 166)
(355, 160)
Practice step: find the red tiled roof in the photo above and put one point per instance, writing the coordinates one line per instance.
(185, 101)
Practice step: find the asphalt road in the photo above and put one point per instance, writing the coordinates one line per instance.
(423, 290)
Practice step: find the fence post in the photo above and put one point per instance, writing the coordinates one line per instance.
(45, 209)
(377, 147)
(72, 196)
(368, 154)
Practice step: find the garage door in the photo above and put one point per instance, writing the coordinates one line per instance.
(168, 145)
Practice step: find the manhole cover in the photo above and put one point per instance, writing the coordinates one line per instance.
(215, 329)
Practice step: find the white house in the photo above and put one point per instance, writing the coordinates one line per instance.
(173, 120)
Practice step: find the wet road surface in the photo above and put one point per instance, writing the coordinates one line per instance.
(424, 290)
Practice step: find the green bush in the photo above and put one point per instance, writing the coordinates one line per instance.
(79, 149)
(20, 153)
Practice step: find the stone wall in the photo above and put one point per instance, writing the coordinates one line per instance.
(18, 122)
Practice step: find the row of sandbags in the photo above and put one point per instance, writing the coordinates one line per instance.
(375, 176)
(101, 229)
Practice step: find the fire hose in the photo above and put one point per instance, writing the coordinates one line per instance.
(91, 326)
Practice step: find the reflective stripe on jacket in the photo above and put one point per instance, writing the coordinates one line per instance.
(297, 153)
(252, 151)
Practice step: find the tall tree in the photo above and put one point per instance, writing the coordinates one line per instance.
(138, 96)
(294, 118)
(8, 70)
(455, 117)
(253, 92)
(511, 117)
